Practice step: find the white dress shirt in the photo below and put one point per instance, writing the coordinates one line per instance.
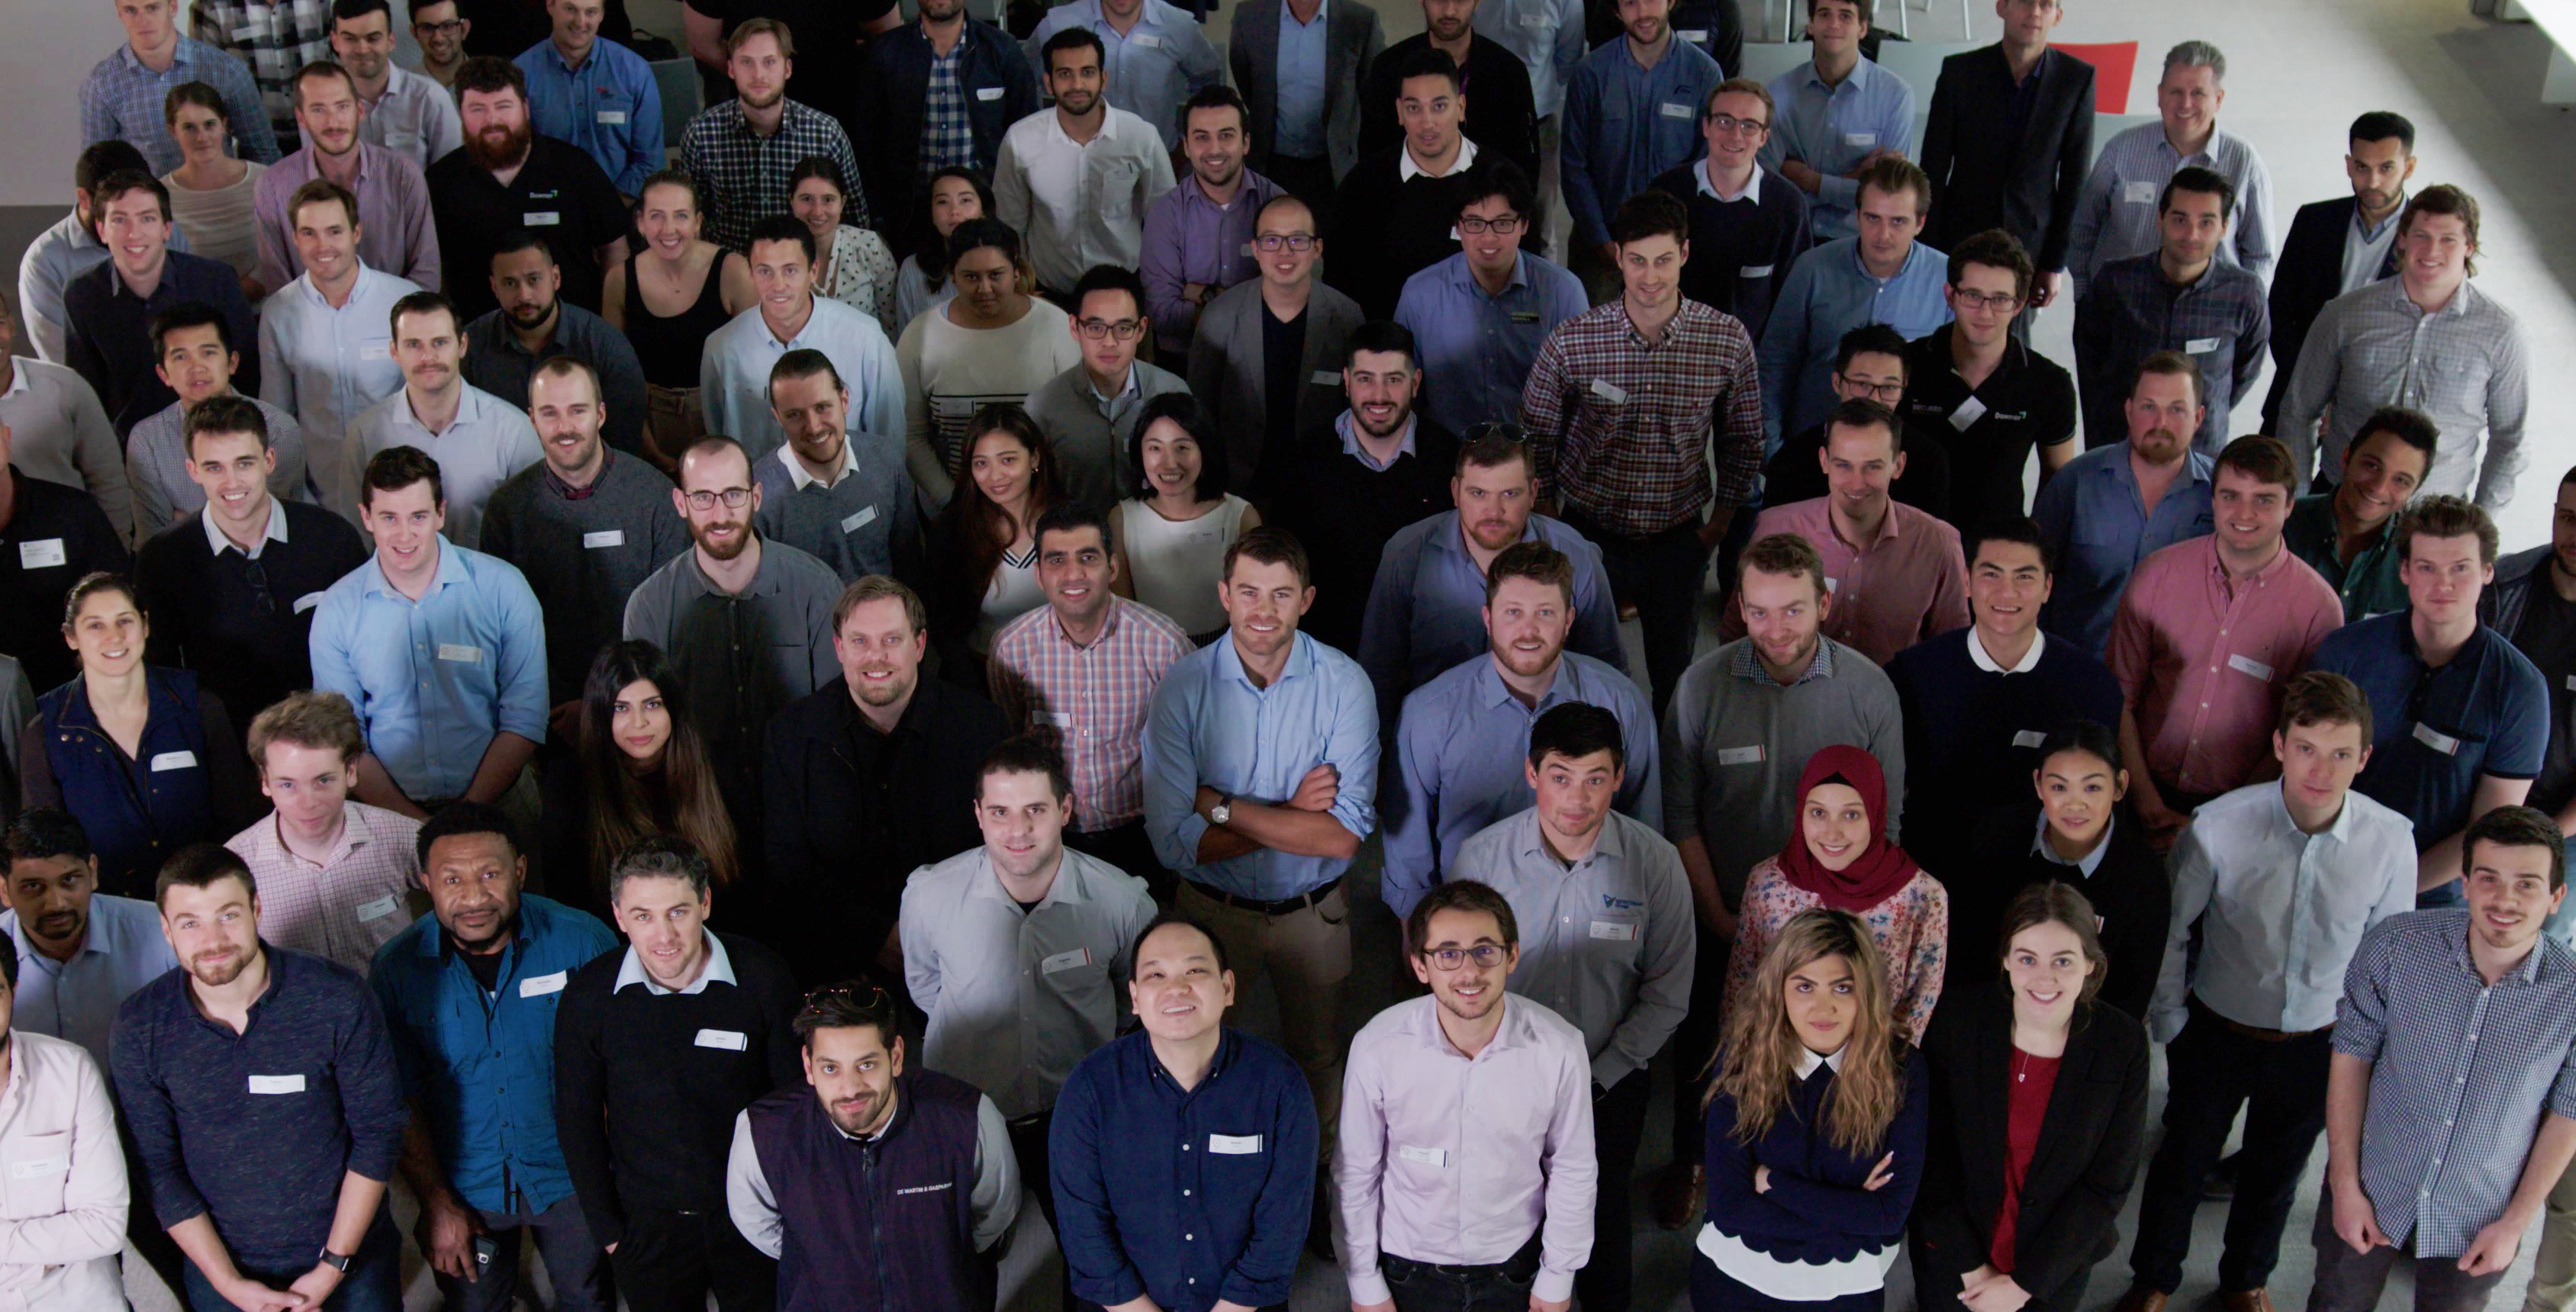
(1080, 203)
(63, 1198)
(325, 366)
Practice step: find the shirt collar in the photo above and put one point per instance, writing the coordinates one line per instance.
(719, 969)
(1985, 660)
(1108, 625)
(1066, 887)
(1808, 1061)
(1349, 430)
(215, 539)
(1531, 840)
(450, 570)
(17, 377)
(554, 481)
(2340, 830)
(1123, 393)
(1301, 661)
(1752, 187)
(1857, 79)
(2369, 233)
(1406, 170)
(1323, 10)
(799, 478)
(2092, 860)
(1748, 662)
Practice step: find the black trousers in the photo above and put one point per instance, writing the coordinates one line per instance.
(1694, 1043)
(1660, 574)
(1126, 847)
(1499, 1287)
(1605, 1283)
(2215, 1070)
(671, 1261)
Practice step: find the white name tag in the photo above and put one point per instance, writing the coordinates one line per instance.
(1740, 755)
(277, 1084)
(1968, 413)
(375, 351)
(307, 602)
(44, 553)
(1234, 1145)
(1697, 36)
(537, 986)
(1617, 931)
(1609, 391)
(1860, 138)
(2571, 683)
(1754, 271)
(2139, 193)
(1534, 20)
(988, 93)
(457, 651)
(380, 908)
(541, 218)
(1427, 1156)
(2249, 665)
(2436, 739)
(1146, 40)
(730, 1040)
(2200, 346)
(2029, 738)
(867, 515)
(612, 116)
(1326, 378)
(1058, 719)
(1065, 961)
(39, 1168)
(607, 537)
(1672, 110)
(182, 760)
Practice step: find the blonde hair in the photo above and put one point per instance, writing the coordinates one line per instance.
(308, 719)
(1758, 1063)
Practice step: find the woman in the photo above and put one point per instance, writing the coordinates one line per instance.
(2073, 832)
(1815, 1129)
(921, 283)
(991, 343)
(143, 758)
(1173, 533)
(638, 768)
(851, 264)
(1840, 858)
(677, 291)
(2039, 1108)
(1010, 481)
(210, 191)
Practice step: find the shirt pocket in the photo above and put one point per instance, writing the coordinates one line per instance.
(1114, 186)
(1080, 982)
(37, 1170)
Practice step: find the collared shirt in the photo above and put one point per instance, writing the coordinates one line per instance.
(1080, 203)
(1407, 168)
(2116, 212)
(67, 1184)
(274, 530)
(947, 130)
(499, 363)
(2084, 865)
(395, 230)
(609, 106)
(1623, 429)
(1152, 67)
(1625, 123)
(2366, 248)
(733, 374)
(1831, 291)
(1988, 430)
(2462, 1074)
(156, 465)
(1210, 725)
(1831, 128)
(2099, 528)
(433, 680)
(123, 99)
(1481, 346)
(2278, 913)
(2220, 320)
(327, 365)
(2202, 657)
(1978, 655)
(415, 118)
(479, 449)
(1456, 1160)
(1426, 605)
(1908, 583)
(745, 173)
(2467, 365)
(59, 432)
(717, 970)
(1189, 238)
(273, 39)
(866, 520)
(2370, 583)
(348, 904)
(76, 1000)
(1298, 125)
(2435, 732)
(1351, 446)
(1091, 699)
(108, 341)
(1546, 35)
(59, 254)
(1017, 995)
(559, 193)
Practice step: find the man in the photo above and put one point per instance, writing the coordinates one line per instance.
(1629, 116)
(740, 151)
(1896, 573)
(1153, 57)
(1081, 670)
(2131, 498)
(2113, 215)
(2463, 717)
(2347, 534)
(1265, 359)
(1302, 66)
(677, 1034)
(439, 647)
(484, 1159)
(1088, 413)
(1503, 119)
(1839, 114)
(533, 324)
(335, 875)
(2008, 142)
(1628, 408)
(328, 339)
(1880, 275)
(72, 247)
(839, 496)
(273, 1183)
(440, 29)
(1549, 39)
(2274, 885)
(733, 373)
(479, 440)
(833, 33)
(1460, 737)
(123, 97)
(1480, 316)
(232, 588)
(1870, 364)
(1183, 1081)
(197, 360)
(396, 233)
(1398, 206)
(1512, 1227)
(273, 43)
(61, 432)
(402, 111)
(2182, 298)
(870, 778)
(2207, 629)
(2337, 247)
(938, 92)
(1977, 390)
(51, 536)
(1074, 181)
(2530, 602)
(64, 1127)
(595, 94)
(1260, 761)
(2425, 339)
(509, 177)
(1749, 238)
(108, 310)
(79, 952)
(1198, 236)
(802, 1178)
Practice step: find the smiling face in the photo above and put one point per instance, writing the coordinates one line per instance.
(327, 112)
(853, 1072)
(2191, 225)
(193, 362)
(668, 217)
(1575, 792)
(473, 882)
(51, 895)
(200, 132)
(496, 126)
(1734, 129)
(2164, 412)
(1645, 19)
(214, 931)
(2380, 473)
(1171, 459)
(1178, 992)
(1263, 602)
(1650, 270)
(2046, 968)
(1216, 144)
(2436, 249)
(1281, 226)
(665, 921)
(814, 412)
(308, 785)
(2188, 97)
(1823, 1000)
(2509, 894)
(1075, 570)
(567, 413)
(880, 652)
(576, 25)
(1381, 386)
(782, 277)
(406, 523)
(1985, 299)
(1526, 626)
(1470, 991)
(2079, 791)
(952, 202)
(1861, 464)
(721, 531)
(2007, 584)
(108, 631)
(640, 722)
(1003, 468)
(1497, 247)
(430, 350)
(440, 32)
(1075, 79)
(1782, 615)
(1835, 824)
(2250, 512)
(759, 72)
(136, 232)
(818, 203)
(1431, 110)
(326, 239)
(233, 470)
(364, 45)
(1023, 821)
(2318, 764)
(2444, 577)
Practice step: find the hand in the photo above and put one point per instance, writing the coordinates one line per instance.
(564, 721)
(252, 1296)
(1610, 253)
(2044, 288)
(2495, 1246)
(2001, 1294)
(2163, 822)
(1714, 531)
(1880, 1174)
(446, 1236)
(315, 1285)
(889, 960)
(2354, 1221)
(1761, 1179)
(1806, 179)
(1719, 921)
(1968, 1283)
(1538, 1304)
(1196, 293)
(1317, 790)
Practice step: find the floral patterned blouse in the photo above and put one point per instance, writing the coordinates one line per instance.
(862, 275)
(1912, 927)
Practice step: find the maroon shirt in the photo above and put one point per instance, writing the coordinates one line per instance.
(2033, 1079)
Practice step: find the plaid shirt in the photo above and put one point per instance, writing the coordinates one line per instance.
(1622, 427)
(947, 135)
(346, 907)
(124, 99)
(2466, 364)
(745, 174)
(272, 38)
(1092, 700)
(2133, 311)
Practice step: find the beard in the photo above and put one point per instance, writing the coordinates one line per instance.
(215, 977)
(724, 550)
(490, 157)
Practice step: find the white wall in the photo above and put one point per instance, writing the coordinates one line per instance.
(46, 48)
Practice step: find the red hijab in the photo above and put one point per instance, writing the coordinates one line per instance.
(1880, 870)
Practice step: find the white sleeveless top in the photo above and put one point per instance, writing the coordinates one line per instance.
(1177, 565)
(1014, 592)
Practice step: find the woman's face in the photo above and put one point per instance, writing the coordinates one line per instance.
(200, 132)
(1823, 1001)
(668, 218)
(2046, 966)
(108, 632)
(818, 203)
(986, 280)
(2079, 791)
(952, 202)
(1001, 468)
(1835, 824)
(1171, 460)
(640, 721)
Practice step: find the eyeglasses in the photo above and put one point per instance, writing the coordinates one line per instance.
(1887, 393)
(859, 991)
(1124, 330)
(1505, 226)
(261, 599)
(1295, 241)
(1485, 954)
(1730, 125)
(1986, 300)
(733, 497)
(448, 28)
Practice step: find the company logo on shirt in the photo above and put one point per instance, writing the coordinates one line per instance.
(926, 1188)
(1609, 903)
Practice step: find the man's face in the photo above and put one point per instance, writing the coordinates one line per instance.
(149, 24)
(136, 233)
(1074, 77)
(1650, 269)
(1489, 230)
(2007, 585)
(496, 126)
(1466, 990)
(327, 111)
(1075, 570)
(1282, 228)
(214, 931)
(1644, 19)
(1889, 223)
(364, 44)
(2509, 894)
(2435, 247)
(1735, 128)
(2188, 98)
(1871, 376)
(943, 11)
(1023, 821)
(1216, 145)
(440, 32)
(193, 362)
(1263, 603)
(2562, 529)
(2444, 577)
(759, 72)
(51, 896)
(2380, 473)
(1380, 385)
(233, 470)
(326, 238)
(2191, 227)
(1493, 502)
(1861, 462)
(719, 530)
(1985, 299)
(567, 413)
(526, 283)
(1782, 615)
(1448, 20)
(782, 277)
(2250, 512)
(2028, 22)
(814, 411)
(2378, 171)
(1430, 108)
(474, 882)
(1575, 792)
(880, 652)
(309, 786)
(1526, 624)
(1108, 326)
(1835, 26)
(406, 522)
(1178, 991)
(2164, 412)
(2319, 762)
(429, 349)
(665, 921)
(576, 25)
(853, 1070)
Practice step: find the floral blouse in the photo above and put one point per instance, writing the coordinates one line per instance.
(1912, 927)
(862, 276)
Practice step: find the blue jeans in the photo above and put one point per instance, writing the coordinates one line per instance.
(373, 1284)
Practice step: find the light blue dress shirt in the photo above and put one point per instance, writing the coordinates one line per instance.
(77, 999)
(2098, 529)
(733, 374)
(1300, 124)
(1426, 605)
(1829, 292)
(435, 680)
(1153, 67)
(610, 107)
(1209, 725)
(326, 366)
(1626, 124)
(1477, 349)
(1831, 129)
(1548, 36)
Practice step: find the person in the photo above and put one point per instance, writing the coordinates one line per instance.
(79, 952)
(1749, 238)
(395, 231)
(1088, 413)
(1840, 113)
(1198, 236)
(328, 340)
(2339, 246)
(1816, 1097)
(991, 343)
(1480, 316)
(504, 346)
(211, 191)
(1161, 59)
(939, 93)
(59, 431)
(2113, 215)
(1503, 118)
(406, 112)
(738, 153)
(2179, 298)
(854, 267)
(678, 290)
(198, 361)
(1053, 174)
(1977, 390)
(2425, 338)
(2528, 603)
(52, 536)
(1170, 533)
(951, 196)
(1304, 72)
(335, 876)
(1426, 1214)
(1872, 363)
(440, 29)
(1628, 118)
(123, 97)
(839, 496)
(441, 649)
(1080, 672)
(108, 309)
(1548, 39)
(64, 1127)
(140, 755)
(478, 439)
(274, 1189)
(493, 1170)
(72, 247)
(638, 767)
(2462, 717)
(273, 46)
(2024, 1209)
(595, 94)
(2007, 145)
(1880, 274)
(509, 176)
(1011, 481)
(658, 1049)
(1394, 210)
(2347, 533)
(733, 375)
(1635, 480)
(506, 29)
(2132, 498)
(2278, 883)
(871, 777)
(1265, 359)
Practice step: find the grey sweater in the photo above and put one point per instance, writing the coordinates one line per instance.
(867, 523)
(583, 557)
(1091, 442)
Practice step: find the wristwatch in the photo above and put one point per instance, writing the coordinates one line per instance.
(1222, 811)
(336, 1262)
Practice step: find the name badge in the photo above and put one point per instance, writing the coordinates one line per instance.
(1326, 378)
(1860, 139)
(1754, 271)
(277, 1084)
(2139, 193)
(44, 553)
(1616, 931)
(1234, 1145)
(537, 986)
(2571, 683)
(729, 1040)
(1609, 391)
(40, 1167)
(1527, 20)
(1672, 110)
(988, 93)
(307, 602)
(607, 537)
(2200, 346)
(1833, 584)
(541, 218)
(1057, 719)
(380, 908)
(1065, 961)
(1740, 755)
(1697, 36)
(2436, 739)
(250, 33)
(1524, 316)
(375, 350)
(1427, 1156)
(2029, 738)
(612, 116)
(2249, 665)
(1145, 40)
(867, 515)
(1968, 413)
(182, 760)
(458, 651)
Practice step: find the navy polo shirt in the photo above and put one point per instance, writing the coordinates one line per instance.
(2435, 731)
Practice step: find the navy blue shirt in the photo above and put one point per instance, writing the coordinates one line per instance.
(2435, 731)
(110, 340)
(1189, 1196)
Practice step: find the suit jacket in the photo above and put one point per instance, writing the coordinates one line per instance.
(2080, 1174)
(1352, 40)
(2310, 273)
(893, 94)
(1228, 376)
(2026, 187)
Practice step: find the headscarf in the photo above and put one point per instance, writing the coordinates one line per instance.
(1881, 869)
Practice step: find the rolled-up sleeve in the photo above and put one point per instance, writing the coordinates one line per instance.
(1353, 752)
(521, 660)
(2361, 1019)
(1170, 763)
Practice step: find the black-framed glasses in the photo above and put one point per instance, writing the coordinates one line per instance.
(1997, 301)
(1730, 125)
(1884, 393)
(1295, 241)
(1506, 225)
(1488, 955)
(449, 28)
(1124, 330)
(733, 497)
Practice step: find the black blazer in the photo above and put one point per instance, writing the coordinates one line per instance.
(2026, 187)
(2131, 892)
(2080, 1175)
(2309, 274)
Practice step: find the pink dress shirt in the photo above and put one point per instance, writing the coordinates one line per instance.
(346, 907)
(62, 1181)
(1908, 584)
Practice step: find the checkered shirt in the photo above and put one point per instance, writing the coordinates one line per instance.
(2467, 365)
(272, 38)
(1622, 428)
(744, 174)
(346, 907)
(1091, 700)
(947, 135)
(124, 99)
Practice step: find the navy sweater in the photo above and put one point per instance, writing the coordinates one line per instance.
(1972, 738)
(1816, 1210)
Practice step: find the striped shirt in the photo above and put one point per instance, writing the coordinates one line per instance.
(1091, 700)
(2116, 213)
(1622, 427)
(745, 173)
(2467, 365)
(124, 99)
(351, 902)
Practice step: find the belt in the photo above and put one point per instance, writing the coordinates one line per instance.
(1283, 906)
(2256, 1032)
(1520, 1265)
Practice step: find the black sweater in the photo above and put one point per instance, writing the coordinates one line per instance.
(206, 613)
(1386, 229)
(2130, 892)
(1740, 252)
(1343, 512)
